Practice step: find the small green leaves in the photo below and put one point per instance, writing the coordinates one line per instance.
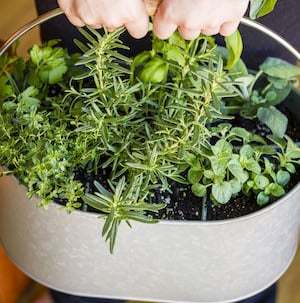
(49, 61)
(6, 89)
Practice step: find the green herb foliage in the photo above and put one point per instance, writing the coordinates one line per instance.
(160, 116)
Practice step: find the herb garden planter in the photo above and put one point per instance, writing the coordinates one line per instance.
(174, 261)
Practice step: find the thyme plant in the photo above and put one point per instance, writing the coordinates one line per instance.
(142, 122)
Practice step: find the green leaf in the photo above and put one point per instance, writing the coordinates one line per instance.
(278, 141)
(194, 175)
(6, 89)
(234, 44)
(283, 177)
(222, 149)
(173, 53)
(274, 119)
(261, 181)
(141, 58)
(154, 71)
(96, 202)
(236, 169)
(253, 166)
(276, 190)
(222, 192)
(262, 199)
(236, 186)
(279, 68)
(108, 222)
(199, 190)
(279, 95)
(259, 8)
(290, 167)
(247, 151)
(218, 165)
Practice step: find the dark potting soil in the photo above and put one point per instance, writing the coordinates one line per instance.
(182, 204)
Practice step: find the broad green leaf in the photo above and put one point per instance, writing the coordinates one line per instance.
(278, 141)
(222, 149)
(265, 149)
(236, 186)
(199, 190)
(262, 199)
(218, 165)
(236, 169)
(279, 68)
(209, 174)
(222, 192)
(261, 181)
(292, 149)
(241, 132)
(290, 168)
(253, 166)
(283, 177)
(141, 58)
(279, 95)
(173, 53)
(234, 44)
(246, 151)
(194, 175)
(259, 8)
(274, 119)
(276, 190)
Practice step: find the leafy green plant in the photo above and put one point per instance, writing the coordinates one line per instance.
(142, 123)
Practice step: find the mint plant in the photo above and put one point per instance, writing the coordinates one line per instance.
(166, 115)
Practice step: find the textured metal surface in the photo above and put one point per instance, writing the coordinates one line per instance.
(171, 261)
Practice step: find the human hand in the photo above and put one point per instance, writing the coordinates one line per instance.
(193, 17)
(111, 14)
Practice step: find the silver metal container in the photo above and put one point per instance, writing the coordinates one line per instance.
(172, 261)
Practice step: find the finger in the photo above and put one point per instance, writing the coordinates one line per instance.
(139, 27)
(75, 20)
(163, 29)
(96, 26)
(210, 31)
(110, 29)
(188, 34)
(228, 28)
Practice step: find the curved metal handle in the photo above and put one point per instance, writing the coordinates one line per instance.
(56, 12)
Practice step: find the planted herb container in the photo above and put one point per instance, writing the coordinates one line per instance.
(175, 136)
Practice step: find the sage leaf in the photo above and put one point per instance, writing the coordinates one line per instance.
(274, 119)
(278, 68)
